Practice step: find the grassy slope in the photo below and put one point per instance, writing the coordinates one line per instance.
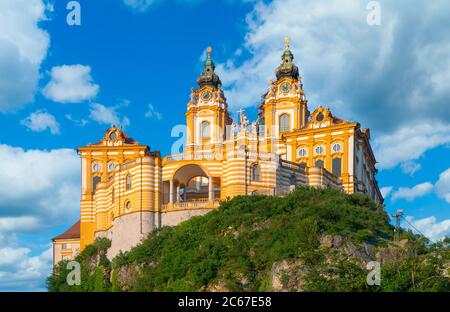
(240, 242)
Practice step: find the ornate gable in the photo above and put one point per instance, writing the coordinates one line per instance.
(322, 117)
(115, 137)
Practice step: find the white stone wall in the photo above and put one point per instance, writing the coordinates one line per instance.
(128, 231)
(175, 217)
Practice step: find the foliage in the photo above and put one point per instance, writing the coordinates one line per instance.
(236, 246)
(94, 270)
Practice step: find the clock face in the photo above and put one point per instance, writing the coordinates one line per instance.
(206, 96)
(285, 87)
(319, 117)
(112, 136)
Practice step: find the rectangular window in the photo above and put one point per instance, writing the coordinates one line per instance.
(336, 167)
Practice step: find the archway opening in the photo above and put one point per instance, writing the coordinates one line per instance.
(191, 183)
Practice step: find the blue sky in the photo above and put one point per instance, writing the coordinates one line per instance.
(134, 61)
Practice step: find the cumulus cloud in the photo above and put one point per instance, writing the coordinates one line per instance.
(20, 271)
(107, 115)
(442, 186)
(40, 190)
(22, 224)
(23, 47)
(140, 5)
(409, 143)
(412, 193)
(388, 77)
(38, 184)
(70, 84)
(79, 122)
(40, 121)
(385, 191)
(410, 167)
(153, 113)
(430, 227)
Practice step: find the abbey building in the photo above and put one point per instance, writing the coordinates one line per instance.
(127, 190)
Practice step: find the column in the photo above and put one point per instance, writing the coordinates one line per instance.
(171, 192)
(177, 197)
(211, 190)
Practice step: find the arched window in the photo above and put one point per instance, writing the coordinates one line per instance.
(336, 166)
(284, 122)
(112, 167)
(128, 182)
(205, 130)
(96, 167)
(337, 147)
(302, 152)
(95, 180)
(319, 150)
(320, 163)
(127, 206)
(255, 172)
(293, 180)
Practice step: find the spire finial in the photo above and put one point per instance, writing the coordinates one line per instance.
(287, 41)
(208, 77)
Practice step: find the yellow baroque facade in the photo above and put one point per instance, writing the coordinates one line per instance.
(127, 190)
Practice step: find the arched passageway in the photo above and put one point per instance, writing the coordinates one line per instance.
(191, 183)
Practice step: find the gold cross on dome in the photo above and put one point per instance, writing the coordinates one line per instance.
(287, 41)
(209, 50)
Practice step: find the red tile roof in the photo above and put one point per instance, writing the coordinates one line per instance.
(72, 232)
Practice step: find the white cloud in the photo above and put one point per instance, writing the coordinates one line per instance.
(20, 271)
(140, 5)
(410, 167)
(430, 227)
(23, 47)
(40, 121)
(442, 186)
(38, 184)
(409, 143)
(79, 122)
(10, 256)
(70, 84)
(153, 113)
(23, 224)
(107, 115)
(40, 190)
(385, 191)
(410, 194)
(376, 75)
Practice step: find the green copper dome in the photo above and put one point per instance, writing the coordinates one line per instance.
(208, 77)
(287, 67)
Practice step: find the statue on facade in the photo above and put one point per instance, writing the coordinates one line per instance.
(271, 89)
(233, 129)
(254, 129)
(192, 94)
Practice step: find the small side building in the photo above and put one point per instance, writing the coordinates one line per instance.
(66, 246)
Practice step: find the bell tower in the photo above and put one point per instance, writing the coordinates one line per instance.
(284, 106)
(207, 111)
